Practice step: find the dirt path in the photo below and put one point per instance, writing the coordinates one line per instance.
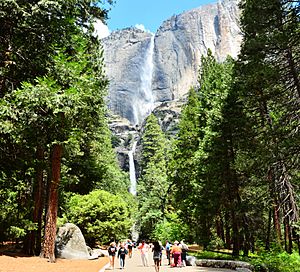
(19, 263)
(135, 265)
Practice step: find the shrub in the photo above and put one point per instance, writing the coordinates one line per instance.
(100, 215)
(277, 262)
(171, 229)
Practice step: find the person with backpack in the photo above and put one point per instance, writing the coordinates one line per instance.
(184, 250)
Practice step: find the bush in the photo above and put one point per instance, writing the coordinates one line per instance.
(277, 262)
(100, 215)
(171, 229)
(215, 243)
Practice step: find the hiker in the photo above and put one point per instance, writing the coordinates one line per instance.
(157, 255)
(129, 247)
(112, 250)
(122, 254)
(168, 250)
(176, 253)
(184, 250)
(144, 248)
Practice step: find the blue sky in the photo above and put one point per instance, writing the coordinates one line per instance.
(149, 13)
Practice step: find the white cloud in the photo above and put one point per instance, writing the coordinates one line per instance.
(142, 27)
(101, 30)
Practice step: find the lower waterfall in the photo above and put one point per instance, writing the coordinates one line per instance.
(132, 176)
(132, 189)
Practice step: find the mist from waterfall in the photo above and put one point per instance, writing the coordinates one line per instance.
(132, 175)
(144, 103)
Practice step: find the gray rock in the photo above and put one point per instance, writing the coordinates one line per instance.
(70, 243)
(243, 269)
(190, 261)
(224, 264)
(176, 56)
(100, 252)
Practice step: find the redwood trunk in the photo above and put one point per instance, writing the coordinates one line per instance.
(50, 228)
(277, 223)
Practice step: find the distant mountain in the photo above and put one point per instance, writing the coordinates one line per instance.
(146, 69)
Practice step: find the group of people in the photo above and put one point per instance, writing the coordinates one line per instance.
(120, 250)
(175, 253)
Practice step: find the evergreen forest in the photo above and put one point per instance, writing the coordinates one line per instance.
(227, 181)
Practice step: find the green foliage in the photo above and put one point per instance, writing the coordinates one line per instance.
(171, 229)
(101, 216)
(276, 262)
(153, 184)
(213, 255)
(215, 243)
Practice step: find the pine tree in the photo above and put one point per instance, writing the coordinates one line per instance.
(153, 182)
(270, 92)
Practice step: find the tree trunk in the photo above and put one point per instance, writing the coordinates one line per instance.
(288, 237)
(227, 231)
(269, 230)
(235, 234)
(50, 228)
(34, 240)
(219, 226)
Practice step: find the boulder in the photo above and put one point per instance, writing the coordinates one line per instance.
(234, 265)
(239, 269)
(190, 261)
(70, 243)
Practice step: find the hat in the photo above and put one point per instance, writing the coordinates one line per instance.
(176, 242)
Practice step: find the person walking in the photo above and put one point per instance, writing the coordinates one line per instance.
(129, 247)
(157, 255)
(112, 250)
(144, 248)
(176, 253)
(168, 250)
(184, 250)
(121, 255)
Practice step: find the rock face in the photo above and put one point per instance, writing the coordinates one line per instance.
(145, 69)
(125, 54)
(70, 243)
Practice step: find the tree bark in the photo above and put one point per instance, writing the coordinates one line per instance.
(288, 237)
(34, 240)
(267, 246)
(227, 231)
(50, 228)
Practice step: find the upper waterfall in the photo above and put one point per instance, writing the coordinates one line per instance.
(145, 94)
(143, 70)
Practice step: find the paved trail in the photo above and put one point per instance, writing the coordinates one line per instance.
(135, 265)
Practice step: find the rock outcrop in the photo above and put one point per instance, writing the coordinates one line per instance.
(70, 243)
(145, 69)
(227, 264)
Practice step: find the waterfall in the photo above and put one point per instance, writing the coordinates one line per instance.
(132, 189)
(132, 176)
(144, 103)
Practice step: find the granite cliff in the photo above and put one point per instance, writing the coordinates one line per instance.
(147, 69)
